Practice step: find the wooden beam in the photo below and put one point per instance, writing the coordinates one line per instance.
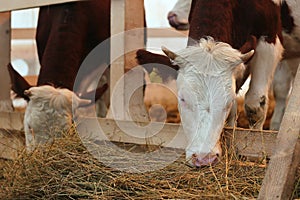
(29, 33)
(127, 22)
(23, 33)
(166, 135)
(165, 32)
(117, 26)
(280, 175)
(5, 47)
(12, 120)
(8, 5)
(252, 143)
(247, 142)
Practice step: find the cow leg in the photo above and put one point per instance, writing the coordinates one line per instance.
(281, 87)
(263, 68)
(283, 80)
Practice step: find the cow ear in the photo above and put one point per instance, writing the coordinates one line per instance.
(165, 68)
(28, 93)
(79, 102)
(243, 58)
(18, 84)
(169, 53)
(240, 70)
(177, 59)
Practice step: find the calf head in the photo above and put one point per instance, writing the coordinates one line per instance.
(48, 114)
(206, 92)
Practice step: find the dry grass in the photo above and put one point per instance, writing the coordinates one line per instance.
(66, 170)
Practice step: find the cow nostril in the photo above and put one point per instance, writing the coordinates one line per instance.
(218, 155)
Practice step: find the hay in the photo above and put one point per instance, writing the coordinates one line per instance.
(65, 169)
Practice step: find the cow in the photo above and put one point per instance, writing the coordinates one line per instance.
(224, 36)
(286, 70)
(66, 34)
(49, 114)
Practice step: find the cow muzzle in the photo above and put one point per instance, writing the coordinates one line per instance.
(200, 160)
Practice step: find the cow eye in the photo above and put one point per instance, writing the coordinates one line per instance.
(181, 99)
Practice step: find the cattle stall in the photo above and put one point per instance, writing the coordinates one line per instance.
(281, 147)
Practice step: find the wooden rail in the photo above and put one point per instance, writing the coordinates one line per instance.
(29, 33)
(8, 5)
(247, 142)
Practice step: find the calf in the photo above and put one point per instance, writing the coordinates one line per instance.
(208, 68)
(49, 114)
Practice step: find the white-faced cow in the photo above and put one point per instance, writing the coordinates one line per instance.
(222, 34)
(66, 33)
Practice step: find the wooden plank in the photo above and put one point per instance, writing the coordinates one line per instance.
(134, 78)
(165, 32)
(252, 143)
(117, 59)
(166, 135)
(247, 142)
(8, 5)
(23, 33)
(12, 120)
(280, 175)
(127, 17)
(5, 102)
(29, 33)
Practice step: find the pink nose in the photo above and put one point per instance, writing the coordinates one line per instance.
(209, 159)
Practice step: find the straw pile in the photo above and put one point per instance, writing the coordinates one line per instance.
(65, 169)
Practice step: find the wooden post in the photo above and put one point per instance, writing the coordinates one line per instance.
(280, 175)
(127, 23)
(5, 101)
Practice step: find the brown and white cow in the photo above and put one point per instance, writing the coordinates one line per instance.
(222, 33)
(66, 34)
(286, 70)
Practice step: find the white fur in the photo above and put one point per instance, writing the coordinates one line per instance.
(205, 94)
(48, 114)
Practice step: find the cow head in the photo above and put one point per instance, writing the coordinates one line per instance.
(206, 92)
